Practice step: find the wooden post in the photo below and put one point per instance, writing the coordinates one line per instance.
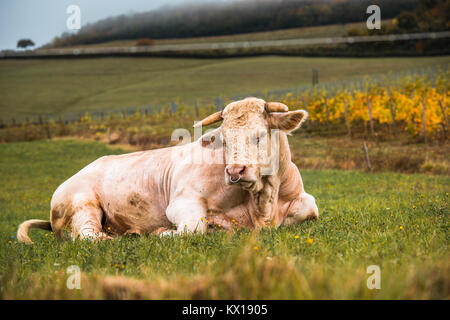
(347, 121)
(369, 107)
(328, 113)
(47, 130)
(366, 156)
(444, 115)
(315, 77)
(424, 123)
(391, 107)
(197, 112)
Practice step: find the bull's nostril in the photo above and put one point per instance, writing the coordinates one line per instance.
(235, 170)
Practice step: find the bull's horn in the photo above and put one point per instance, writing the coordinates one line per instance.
(276, 107)
(213, 118)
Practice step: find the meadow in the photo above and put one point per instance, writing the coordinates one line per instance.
(387, 217)
(396, 221)
(74, 86)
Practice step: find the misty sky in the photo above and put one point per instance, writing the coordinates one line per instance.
(42, 20)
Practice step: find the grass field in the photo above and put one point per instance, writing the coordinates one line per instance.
(31, 87)
(399, 222)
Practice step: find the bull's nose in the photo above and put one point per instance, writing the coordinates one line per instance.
(235, 171)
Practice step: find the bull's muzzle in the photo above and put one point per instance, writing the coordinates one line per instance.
(235, 181)
(235, 173)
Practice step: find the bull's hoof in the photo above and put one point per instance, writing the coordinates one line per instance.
(170, 233)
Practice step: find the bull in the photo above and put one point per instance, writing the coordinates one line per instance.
(165, 192)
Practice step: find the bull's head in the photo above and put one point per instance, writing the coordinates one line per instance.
(247, 129)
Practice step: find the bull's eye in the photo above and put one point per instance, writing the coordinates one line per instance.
(255, 139)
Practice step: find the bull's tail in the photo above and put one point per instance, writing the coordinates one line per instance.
(22, 232)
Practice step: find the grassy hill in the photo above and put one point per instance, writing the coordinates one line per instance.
(32, 87)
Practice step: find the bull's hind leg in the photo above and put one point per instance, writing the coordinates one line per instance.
(82, 216)
(87, 224)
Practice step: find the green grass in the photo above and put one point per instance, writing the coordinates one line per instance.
(32, 87)
(359, 226)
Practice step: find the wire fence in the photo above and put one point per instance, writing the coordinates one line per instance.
(329, 89)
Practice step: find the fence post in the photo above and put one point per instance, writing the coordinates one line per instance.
(328, 113)
(391, 107)
(444, 115)
(366, 156)
(369, 107)
(197, 112)
(315, 77)
(347, 121)
(47, 129)
(424, 123)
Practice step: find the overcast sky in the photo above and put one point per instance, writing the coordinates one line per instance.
(42, 20)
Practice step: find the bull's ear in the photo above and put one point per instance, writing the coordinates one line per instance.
(287, 121)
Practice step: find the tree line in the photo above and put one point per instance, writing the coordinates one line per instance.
(225, 18)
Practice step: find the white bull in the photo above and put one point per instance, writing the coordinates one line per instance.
(164, 191)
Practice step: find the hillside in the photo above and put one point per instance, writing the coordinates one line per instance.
(54, 87)
(334, 30)
(227, 18)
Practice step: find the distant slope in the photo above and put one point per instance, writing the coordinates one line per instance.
(31, 87)
(226, 18)
(335, 30)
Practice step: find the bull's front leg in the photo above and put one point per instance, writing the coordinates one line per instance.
(189, 215)
(301, 209)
